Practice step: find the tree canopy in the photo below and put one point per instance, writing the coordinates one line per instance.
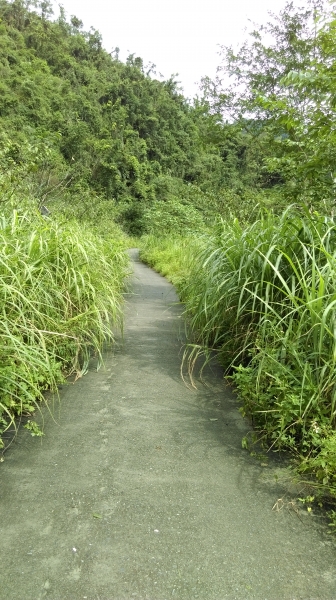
(279, 89)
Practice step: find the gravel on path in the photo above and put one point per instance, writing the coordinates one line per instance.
(141, 488)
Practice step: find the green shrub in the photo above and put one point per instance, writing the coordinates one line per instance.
(172, 216)
(323, 463)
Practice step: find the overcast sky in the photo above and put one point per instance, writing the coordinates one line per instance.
(178, 36)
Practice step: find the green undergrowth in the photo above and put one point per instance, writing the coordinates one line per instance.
(263, 298)
(171, 256)
(60, 297)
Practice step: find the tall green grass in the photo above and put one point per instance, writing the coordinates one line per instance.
(263, 297)
(60, 295)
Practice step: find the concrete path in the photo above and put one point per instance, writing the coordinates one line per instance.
(141, 489)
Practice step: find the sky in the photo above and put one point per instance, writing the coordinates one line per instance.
(178, 36)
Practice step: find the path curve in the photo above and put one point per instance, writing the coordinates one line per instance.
(141, 489)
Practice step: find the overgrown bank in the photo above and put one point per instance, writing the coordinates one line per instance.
(263, 298)
(60, 295)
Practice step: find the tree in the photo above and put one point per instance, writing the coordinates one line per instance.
(278, 88)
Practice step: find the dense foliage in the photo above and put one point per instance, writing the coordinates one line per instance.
(263, 298)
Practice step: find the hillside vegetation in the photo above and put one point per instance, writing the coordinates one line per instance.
(95, 138)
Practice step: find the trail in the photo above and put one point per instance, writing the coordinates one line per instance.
(141, 488)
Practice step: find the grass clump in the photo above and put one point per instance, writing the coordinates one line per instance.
(60, 292)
